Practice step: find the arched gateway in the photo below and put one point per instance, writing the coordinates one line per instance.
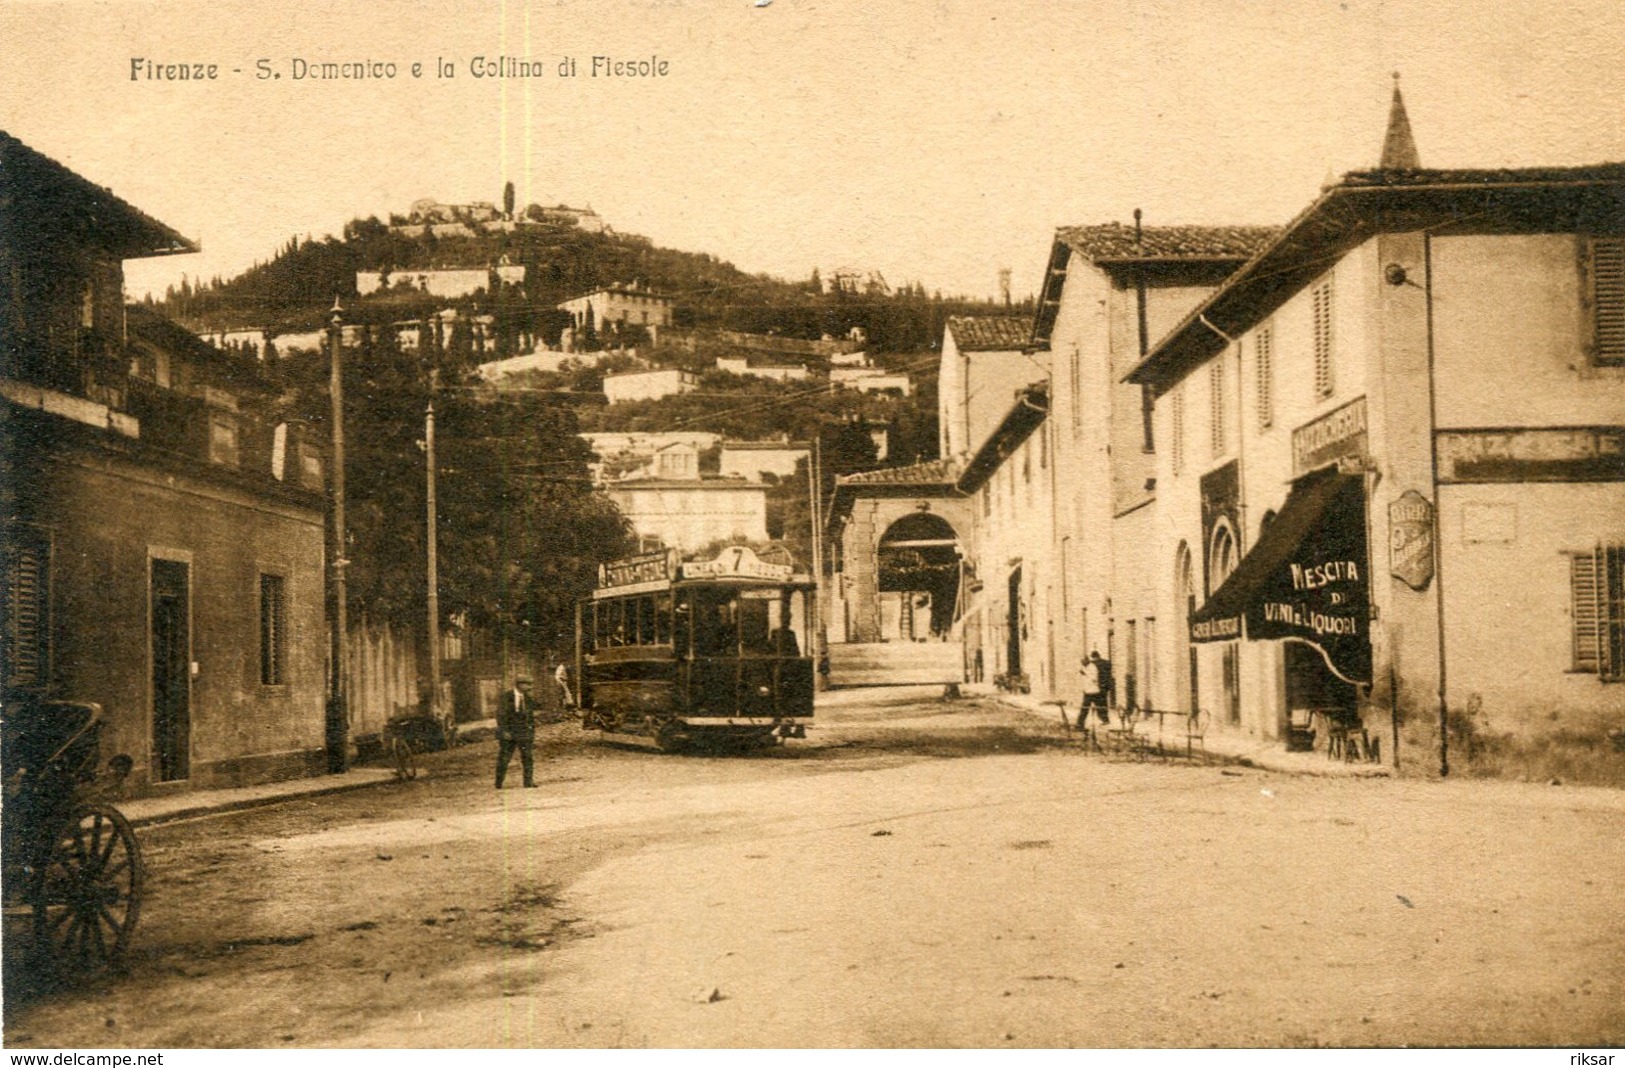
(898, 552)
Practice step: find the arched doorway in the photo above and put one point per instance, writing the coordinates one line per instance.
(1223, 555)
(919, 569)
(1184, 607)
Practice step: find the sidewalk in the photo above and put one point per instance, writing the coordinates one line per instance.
(148, 811)
(1251, 752)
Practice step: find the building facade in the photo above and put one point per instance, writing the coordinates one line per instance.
(983, 367)
(1394, 487)
(626, 305)
(649, 385)
(163, 527)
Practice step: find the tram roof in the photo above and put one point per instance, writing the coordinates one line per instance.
(795, 581)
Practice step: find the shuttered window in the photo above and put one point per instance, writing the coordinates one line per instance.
(1264, 371)
(273, 630)
(1176, 416)
(1597, 590)
(1608, 302)
(1322, 301)
(1216, 405)
(25, 602)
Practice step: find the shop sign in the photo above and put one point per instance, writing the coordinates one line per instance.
(1410, 539)
(1339, 434)
(1541, 454)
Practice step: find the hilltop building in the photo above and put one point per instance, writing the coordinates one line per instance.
(448, 283)
(602, 310)
(649, 385)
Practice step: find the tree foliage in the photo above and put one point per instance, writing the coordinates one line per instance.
(520, 532)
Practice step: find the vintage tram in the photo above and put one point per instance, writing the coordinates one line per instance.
(715, 652)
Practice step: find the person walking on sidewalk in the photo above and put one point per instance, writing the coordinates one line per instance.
(516, 729)
(1096, 674)
(562, 677)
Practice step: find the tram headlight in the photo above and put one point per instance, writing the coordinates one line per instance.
(764, 691)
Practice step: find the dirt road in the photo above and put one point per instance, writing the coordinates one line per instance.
(914, 873)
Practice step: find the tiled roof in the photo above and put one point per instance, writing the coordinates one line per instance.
(931, 472)
(991, 333)
(1115, 241)
(1394, 200)
(1597, 172)
(63, 204)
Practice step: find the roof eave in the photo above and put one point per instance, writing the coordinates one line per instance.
(1345, 215)
(1025, 416)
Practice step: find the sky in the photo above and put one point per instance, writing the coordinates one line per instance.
(935, 141)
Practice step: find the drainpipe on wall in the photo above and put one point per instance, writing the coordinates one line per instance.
(1438, 512)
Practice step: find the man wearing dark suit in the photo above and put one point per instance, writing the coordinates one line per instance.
(516, 729)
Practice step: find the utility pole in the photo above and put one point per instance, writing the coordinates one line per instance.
(338, 712)
(815, 492)
(434, 558)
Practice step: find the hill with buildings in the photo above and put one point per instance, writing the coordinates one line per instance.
(520, 266)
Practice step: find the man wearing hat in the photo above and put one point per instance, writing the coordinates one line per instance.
(516, 729)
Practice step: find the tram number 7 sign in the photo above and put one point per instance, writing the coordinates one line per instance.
(736, 562)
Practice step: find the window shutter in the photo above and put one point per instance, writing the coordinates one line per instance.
(1265, 355)
(1608, 301)
(1586, 593)
(24, 600)
(1610, 569)
(1322, 310)
(1177, 417)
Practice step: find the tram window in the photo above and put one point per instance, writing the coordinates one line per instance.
(663, 619)
(646, 620)
(716, 631)
(791, 638)
(682, 620)
(612, 623)
(758, 612)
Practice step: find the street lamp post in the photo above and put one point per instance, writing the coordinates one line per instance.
(433, 553)
(338, 713)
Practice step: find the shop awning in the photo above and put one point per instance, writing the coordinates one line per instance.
(1305, 579)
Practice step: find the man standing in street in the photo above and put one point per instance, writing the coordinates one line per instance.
(1094, 694)
(516, 729)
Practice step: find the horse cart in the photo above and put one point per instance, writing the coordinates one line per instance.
(72, 865)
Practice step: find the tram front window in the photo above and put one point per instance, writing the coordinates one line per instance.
(758, 619)
(716, 628)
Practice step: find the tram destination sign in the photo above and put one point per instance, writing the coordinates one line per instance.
(637, 570)
(737, 561)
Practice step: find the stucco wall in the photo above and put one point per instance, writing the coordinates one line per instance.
(1507, 327)
(1508, 622)
(240, 730)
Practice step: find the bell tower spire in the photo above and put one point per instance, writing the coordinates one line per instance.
(1399, 147)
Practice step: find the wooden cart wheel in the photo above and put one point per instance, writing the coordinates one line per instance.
(87, 896)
